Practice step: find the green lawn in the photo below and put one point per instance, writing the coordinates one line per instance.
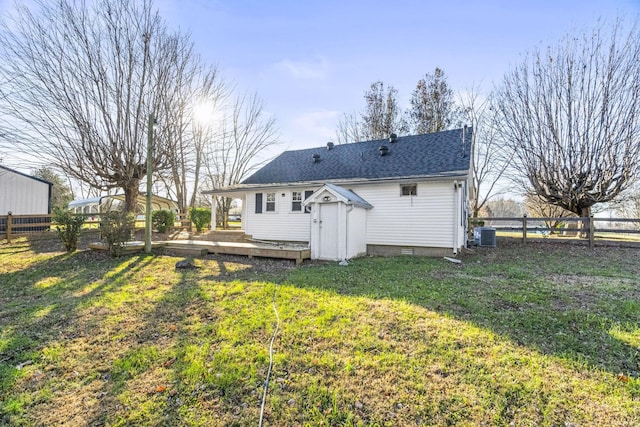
(536, 335)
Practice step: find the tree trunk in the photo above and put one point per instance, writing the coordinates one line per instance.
(131, 193)
(584, 225)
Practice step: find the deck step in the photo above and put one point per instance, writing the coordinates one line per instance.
(186, 250)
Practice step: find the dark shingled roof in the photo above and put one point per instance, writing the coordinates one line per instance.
(432, 154)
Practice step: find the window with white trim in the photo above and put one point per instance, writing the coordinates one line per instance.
(296, 201)
(271, 202)
(409, 190)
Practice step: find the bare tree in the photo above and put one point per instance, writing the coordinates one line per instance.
(245, 134)
(432, 104)
(381, 117)
(628, 205)
(488, 160)
(539, 207)
(190, 107)
(349, 129)
(83, 81)
(501, 207)
(570, 115)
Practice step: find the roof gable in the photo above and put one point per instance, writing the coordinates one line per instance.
(341, 193)
(432, 154)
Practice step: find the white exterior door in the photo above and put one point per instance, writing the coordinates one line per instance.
(328, 231)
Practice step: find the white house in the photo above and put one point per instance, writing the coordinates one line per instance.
(405, 195)
(23, 194)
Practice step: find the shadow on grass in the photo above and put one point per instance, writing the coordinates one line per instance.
(76, 305)
(48, 242)
(557, 303)
(39, 306)
(175, 336)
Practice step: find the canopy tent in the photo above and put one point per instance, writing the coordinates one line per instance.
(114, 202)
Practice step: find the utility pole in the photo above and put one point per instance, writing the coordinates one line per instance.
(147, 215)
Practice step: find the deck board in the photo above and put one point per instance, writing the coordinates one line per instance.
(231, 248)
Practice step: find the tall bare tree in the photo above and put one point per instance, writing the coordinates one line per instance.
(432, 104)
(245, 134)
(190, 107)
(83, 79)
(488, 159)
(570, 114)
(382, 117)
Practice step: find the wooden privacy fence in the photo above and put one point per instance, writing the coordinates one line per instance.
(587, 228)
(19, 225)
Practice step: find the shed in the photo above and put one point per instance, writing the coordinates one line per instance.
(338, 223)
(23, 194)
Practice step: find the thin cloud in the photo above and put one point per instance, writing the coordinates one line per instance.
(315, 69)
(320, 124)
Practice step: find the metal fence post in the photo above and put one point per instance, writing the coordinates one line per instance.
(592, 230)
(524, 228)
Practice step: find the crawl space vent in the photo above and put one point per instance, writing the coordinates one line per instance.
(406, 251)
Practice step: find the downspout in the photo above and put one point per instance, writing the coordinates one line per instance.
(455, 217)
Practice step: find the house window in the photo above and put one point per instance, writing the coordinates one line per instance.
(307, 194)
(296, 201)
(409, 190)
(271, 202)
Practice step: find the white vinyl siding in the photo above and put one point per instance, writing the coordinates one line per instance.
(22, 195)
(422, 220)
(356, 232)
(283, 226)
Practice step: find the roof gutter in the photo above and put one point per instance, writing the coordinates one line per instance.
(342, 182)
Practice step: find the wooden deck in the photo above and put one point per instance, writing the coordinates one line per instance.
(202, 247)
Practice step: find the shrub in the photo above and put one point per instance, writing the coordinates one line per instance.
(476, 222)
(163, 220)
(116, 228)
(200, 217)
(68, 226)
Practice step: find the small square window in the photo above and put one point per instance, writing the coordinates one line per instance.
(271, 202)
(296, 201)
(409, 190)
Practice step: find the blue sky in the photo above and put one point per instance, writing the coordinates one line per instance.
(311, 61)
